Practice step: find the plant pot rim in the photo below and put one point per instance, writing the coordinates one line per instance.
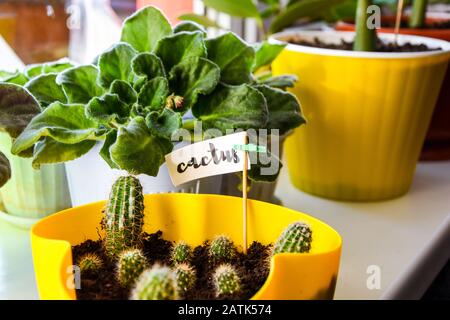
(336, 37)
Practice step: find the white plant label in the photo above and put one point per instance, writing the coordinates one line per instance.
(207, 158)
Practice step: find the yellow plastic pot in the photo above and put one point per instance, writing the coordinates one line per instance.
(367, 113)
(195, 218)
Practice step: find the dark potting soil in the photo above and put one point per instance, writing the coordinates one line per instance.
(253, 268)
(381, 46)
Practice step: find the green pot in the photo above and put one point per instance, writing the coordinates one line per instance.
(33, 193)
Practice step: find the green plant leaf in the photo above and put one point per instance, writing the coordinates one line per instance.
(49, 151)
(17, 108)
(189, 26)
(241, 8)
(153, 94)
(301, 9)
(165, 123)
(174, 49)
(234, 57)
(192, 77)
(64, 123)
(145, 28)
(284, 110)
(110, 139)
(5, 170)
(33, 70)
(15, 78)
(137, 150)
(266, 53)
(281, 82)
(148, 65)
(255, 173)
(56, 66)
(198, 19)
(80, 83)
(232, 107)
(6, 74)
(124, 90)
(114, 64)
(45, 89)
(107, 108)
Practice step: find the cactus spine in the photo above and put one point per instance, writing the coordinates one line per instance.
(181, 252)
(222, 249)
(90, 264)
(157, 283)
(226, 280)
(186, 277)
(124, 216)
(131, 264)
(296, 238)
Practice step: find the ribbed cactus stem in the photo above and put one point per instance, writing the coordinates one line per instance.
(186, 277)
(226, 280)
(222, 249)
(90, 264)
(124, 216)
(157, 283)
(181, 252)
(130, 265)
(296, 238)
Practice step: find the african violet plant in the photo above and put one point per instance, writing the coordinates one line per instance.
(133, 97)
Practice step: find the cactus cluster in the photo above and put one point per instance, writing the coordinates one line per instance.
(222, 249)
(181, 252)
(296, 238)
(90, 264)
(186, 277)
(130, 265)
(157, 283)
(124, 216)
(226, 280)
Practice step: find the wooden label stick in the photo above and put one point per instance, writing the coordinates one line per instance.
(244, 195)
(398, 20)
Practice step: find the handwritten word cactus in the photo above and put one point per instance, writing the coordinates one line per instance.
(124, 216)
(226, 280)
(131, 264)
(296, 238)
(90, 264)
(181, 252)
(222, 249)
(186, 277)
(157, 283)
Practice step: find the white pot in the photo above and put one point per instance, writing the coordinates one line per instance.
(90, 180)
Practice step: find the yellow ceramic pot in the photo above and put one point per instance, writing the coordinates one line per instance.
(367, 113)
(195, 218)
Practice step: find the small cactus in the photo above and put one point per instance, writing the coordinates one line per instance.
(222, 249)
(124, 216)
(226, 280)
(90, 264)
(157, 283)
(296, 238)
(181, 252)
(131, 264)
(186, 277)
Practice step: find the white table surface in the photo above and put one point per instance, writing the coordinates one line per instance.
(408, 238)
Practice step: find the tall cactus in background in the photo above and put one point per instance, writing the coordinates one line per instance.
(296, 238)
(124, 216)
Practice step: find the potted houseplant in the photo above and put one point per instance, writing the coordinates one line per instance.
(368, 111)
(30, 194)
(153, 248)
(437, 143)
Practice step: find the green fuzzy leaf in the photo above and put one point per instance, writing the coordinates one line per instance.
(64, 123)
(154, 93)
(281, 82)
(6, 74)
(255, 173)
(124, 90)
(189, 26)
(284, 110)
(5, 170)
(17, 108)
(165, 123)
(33, 70)
(148, 65)
(145, 28)
(115, 64)
(45, 89)
(80, 83)
(192, 77)
(137, 150)
(49, 151)
(107, 108)
(266, 53)
(14, 78)
(232, 107)
(110, 139)
(200, 20)
(234, 57)
(181, 46)
(56, 66)
(241, 8)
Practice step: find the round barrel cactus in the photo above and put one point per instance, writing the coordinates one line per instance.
(181, 252)
(90, 264)
(222, 249)
(226, 280)
(186, 277)
(130, 265)
(296, 238)
(157, 283)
